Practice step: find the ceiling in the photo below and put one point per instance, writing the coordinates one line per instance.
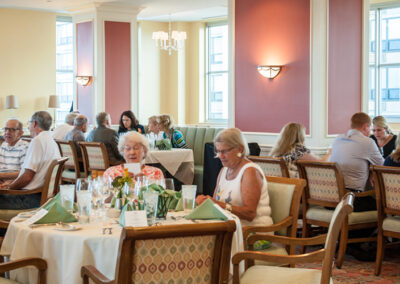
(152, 10)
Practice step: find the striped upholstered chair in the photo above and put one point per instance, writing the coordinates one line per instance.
(71, 170)
(325, 188)
(95, 157)
(190, 253)
(275, 167)
(387, 183)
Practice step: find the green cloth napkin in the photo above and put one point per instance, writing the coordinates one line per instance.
(207, 211)
(179, 205)
(127, 207)
(49, 203)
(164, 144)
(56, 213)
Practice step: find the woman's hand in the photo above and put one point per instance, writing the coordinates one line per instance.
(201, 198)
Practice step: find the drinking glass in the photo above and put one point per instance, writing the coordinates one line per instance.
(84, 196)
(150, 205)
(169, 183)
(67, 192)
(189, 197)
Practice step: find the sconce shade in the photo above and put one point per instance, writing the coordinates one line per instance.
(84, 80)
(11, 102)
(269, 71)
(54, 101)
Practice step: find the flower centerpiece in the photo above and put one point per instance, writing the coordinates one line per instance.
(122, 194)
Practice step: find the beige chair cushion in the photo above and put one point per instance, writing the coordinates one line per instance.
(273, 274)
(280, 199)
(325, 215)
(71, 175)
(273, 249)
(391, 224)
(7, 281)
(7, 215)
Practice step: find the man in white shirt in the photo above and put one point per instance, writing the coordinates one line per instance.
(61, 130)
(12, 150)
(41, 152)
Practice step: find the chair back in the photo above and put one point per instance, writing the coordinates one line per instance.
(68, 149)
(325, 183)
(343, 209)
(271, 166)
(387, 183)
(284, 200)
(95, 157)
(52, 179)
(190, 253)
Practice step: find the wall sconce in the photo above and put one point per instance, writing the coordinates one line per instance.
(269, 71)
(84, 80)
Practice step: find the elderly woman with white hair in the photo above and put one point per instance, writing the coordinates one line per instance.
(241, 186)
(133, 147)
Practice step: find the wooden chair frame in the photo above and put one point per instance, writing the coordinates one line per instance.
(124, 269)
(43, 189)
(383, 212)
(326, 254)
(75, 159)
(289, 222)
(271, 160)
(39, 263)
(307, 200)
(85, 156)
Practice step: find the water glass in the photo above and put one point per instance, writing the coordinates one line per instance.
(84, 196)
(169, 183)
(189, 197)
(67, 192)
(150, 205)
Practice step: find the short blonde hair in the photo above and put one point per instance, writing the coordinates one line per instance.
(380, 121)
(135, 137)
(154, 119)
(292, 134)
(233, 137)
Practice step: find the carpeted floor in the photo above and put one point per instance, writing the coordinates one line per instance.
(354, 271)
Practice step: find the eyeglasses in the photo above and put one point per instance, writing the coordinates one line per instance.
(10, 129)
(223, 152)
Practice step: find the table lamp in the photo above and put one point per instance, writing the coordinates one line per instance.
(54, 102)
(12, 103)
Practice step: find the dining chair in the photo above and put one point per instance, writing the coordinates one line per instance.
(39, 263)
(284, 200)
(71, 170)
(387, 184)
(184, 253)
(48, 189)
(95, 157)
(325, 188)
(271, 166)
(282, 275)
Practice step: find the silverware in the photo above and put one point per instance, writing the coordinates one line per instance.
(41, 225)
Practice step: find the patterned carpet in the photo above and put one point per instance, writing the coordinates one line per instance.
(354, 271)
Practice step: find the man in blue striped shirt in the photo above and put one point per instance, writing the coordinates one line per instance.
(13, 150)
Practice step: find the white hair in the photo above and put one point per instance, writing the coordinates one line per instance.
(135, 137)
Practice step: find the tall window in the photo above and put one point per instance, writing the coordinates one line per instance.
(217, 72)
(64, 66)
(384, 63)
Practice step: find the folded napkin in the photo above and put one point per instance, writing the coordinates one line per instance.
(127, 207)
(49, 203)
(207, 211)
(56, 213)
(179, 205)
(164, 144)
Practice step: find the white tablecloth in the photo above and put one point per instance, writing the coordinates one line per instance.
(67, 251)
(178, 162)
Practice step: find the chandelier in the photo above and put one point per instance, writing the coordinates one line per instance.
(173, 40)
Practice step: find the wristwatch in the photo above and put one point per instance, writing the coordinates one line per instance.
(228, 207)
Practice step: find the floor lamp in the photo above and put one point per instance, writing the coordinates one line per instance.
(54, 103)
(11, 103)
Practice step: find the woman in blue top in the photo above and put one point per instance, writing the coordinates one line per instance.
(176, 137)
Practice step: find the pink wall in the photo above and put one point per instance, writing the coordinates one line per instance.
(84, 65)
(118, 68)
(272, 32)
(345, 63)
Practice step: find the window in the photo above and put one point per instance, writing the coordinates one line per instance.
(64, 66)
(384, 63)
(217, 72)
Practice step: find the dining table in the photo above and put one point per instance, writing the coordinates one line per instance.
(67, 251)
(178, 162)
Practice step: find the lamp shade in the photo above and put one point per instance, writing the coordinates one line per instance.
(11, 102)
(54, 102)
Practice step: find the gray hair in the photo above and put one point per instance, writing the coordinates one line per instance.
(69, 118)
(101, 118)
(233, 137)
(135, 137)
(43, 119)
(20, 125)
(80, 120)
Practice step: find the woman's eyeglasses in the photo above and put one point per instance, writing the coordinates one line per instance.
(223, 152)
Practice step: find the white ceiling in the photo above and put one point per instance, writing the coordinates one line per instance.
(154, 10)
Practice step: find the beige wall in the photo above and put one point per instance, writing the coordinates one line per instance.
(27, 61)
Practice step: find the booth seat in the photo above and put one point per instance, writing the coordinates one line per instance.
(196, 138)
